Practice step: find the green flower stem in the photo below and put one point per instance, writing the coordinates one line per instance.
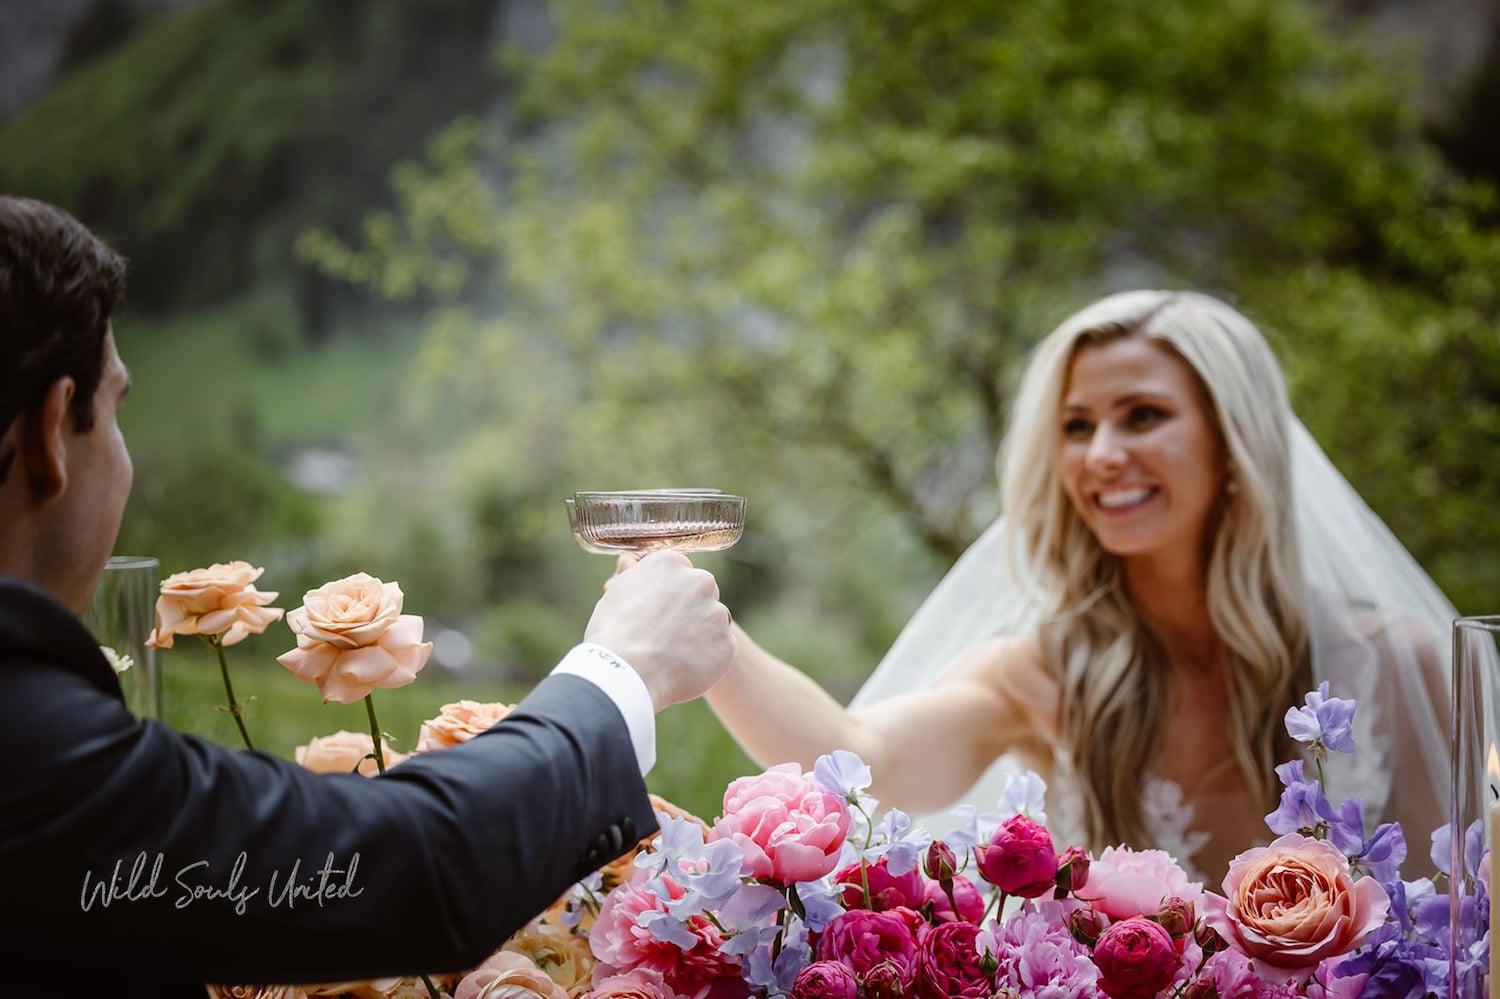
(379, 754)
(375, 736)
(216, 643)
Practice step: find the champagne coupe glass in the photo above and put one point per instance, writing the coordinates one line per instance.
(646, 520)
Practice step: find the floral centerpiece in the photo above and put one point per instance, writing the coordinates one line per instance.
(803, 888)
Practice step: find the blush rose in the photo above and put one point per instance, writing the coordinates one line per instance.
(1294, 903)
(353, 638)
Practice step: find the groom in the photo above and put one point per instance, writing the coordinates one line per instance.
(138, 861)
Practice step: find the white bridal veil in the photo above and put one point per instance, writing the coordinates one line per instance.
(1379, 630)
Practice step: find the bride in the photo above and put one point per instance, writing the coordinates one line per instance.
(1177, 565)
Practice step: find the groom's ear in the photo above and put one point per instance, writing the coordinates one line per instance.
(42, 441)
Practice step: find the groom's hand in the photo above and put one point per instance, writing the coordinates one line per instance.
(663, 617)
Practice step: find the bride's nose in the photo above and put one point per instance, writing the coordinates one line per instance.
(1106, 451)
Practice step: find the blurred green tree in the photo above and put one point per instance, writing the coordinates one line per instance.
(800, 250)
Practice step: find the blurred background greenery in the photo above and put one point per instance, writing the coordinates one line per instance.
(405, 274)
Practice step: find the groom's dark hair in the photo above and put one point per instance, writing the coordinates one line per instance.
(59, 285)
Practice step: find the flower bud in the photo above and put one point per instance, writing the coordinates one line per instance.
(1177, 917)
(941, 863)
(1086, 924)
(1208, 939)
(1072, 870)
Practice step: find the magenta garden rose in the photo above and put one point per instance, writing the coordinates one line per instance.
(886, 890)
(825, 980)
(1136, 959)
(1020, 859)
(864, 939)
(949, 963)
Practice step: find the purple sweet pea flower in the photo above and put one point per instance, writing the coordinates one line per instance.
(1393, 966)
(1384, 854)
(1347, 828)
(1303, 806)
(1442, 847)
(1326, 721)
(843, 773)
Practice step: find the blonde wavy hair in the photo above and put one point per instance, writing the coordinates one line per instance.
(1112, 669)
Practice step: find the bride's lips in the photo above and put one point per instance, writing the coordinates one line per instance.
(1123, 500)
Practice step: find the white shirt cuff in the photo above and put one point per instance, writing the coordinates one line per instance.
(622, 685)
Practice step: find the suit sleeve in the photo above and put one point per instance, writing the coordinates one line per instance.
(162, 850)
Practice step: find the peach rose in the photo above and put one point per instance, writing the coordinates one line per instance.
(342, 751)
(1294, 903)
(220, 600)
(630, 986)
(352, 638)
(565, 958)
(256, 992)
(459, 722)
(392, 988)
(508, 975)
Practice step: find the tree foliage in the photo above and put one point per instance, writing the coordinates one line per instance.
(801, 249)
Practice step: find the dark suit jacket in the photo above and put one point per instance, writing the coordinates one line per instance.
(136, 860)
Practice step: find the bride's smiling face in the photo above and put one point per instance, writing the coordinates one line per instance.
(1142, 460)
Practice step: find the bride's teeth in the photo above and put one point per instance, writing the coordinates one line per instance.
(1113, 501)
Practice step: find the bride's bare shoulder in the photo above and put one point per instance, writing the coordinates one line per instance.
(1011, 665)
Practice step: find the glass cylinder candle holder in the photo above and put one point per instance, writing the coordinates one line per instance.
(1475, 828)
(121, 618)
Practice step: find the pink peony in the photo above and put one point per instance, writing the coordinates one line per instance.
(1124, 882)
(353, 638)
(1020, 859)
(621, 941)
(1232, 975)
(862, 940)
(886, 890)
(1037, 955)
(825, 980)
(965, 894)
(948, 963)
(1136, 959)
(1293, 903)
(790, 828)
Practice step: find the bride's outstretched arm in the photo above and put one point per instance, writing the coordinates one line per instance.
(925, 748)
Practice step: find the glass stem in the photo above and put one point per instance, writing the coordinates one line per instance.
(235, 708)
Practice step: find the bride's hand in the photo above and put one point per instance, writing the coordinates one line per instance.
(625, 561)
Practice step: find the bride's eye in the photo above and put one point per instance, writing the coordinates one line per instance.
(1145, 416)
(1076, 428)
